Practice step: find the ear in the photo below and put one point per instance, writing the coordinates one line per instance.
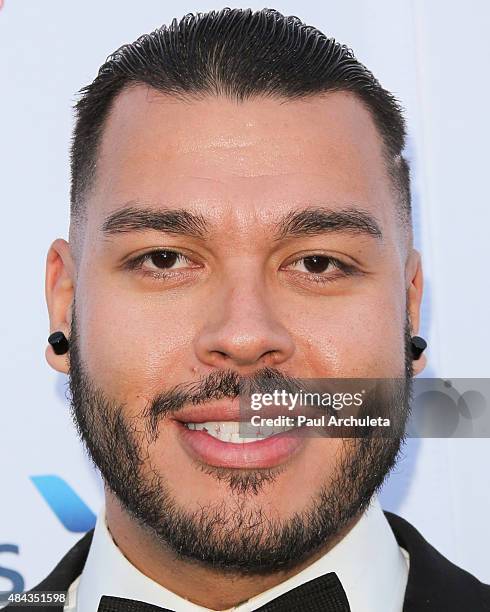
(415, 285)
(60, 291)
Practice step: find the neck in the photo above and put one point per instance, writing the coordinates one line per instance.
(200, 585)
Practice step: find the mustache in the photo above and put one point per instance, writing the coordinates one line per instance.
(217, 385)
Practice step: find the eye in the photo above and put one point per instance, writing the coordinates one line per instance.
(160, 263)
(165, 260)
(315, 264)
(321, 268)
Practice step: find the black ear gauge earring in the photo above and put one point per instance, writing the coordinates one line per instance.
(59, 342)
(417, 347)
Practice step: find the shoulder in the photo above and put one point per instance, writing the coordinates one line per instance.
(434, 582)
(60, 578)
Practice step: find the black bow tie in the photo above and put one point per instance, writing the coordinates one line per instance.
(323, 594)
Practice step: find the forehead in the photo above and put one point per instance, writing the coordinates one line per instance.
(254, 158)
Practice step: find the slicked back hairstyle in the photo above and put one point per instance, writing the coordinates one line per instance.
(239, 54)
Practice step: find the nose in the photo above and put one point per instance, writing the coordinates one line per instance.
(241, 329)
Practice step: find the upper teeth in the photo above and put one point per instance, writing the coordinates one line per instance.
(229, 431)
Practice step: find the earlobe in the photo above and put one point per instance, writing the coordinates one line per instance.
(419, 365)
(59, 289)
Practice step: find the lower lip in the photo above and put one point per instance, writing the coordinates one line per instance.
(265, 453)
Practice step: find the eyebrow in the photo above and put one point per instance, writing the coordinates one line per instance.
(313, 221)
(309, 221)
(137, 219)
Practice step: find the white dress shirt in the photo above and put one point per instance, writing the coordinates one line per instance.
(371, 566)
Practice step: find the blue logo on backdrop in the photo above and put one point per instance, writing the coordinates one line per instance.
(70, 509)
(15, 578)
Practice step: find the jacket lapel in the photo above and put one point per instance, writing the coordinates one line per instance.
(60, 579)
(434, 583)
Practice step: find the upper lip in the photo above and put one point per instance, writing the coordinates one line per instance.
(229, 411)
(223, 411)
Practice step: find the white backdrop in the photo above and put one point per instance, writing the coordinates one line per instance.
(433, 55)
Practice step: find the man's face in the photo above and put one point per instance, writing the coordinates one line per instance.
(261, 281)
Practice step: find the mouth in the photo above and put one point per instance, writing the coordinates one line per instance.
(229, 431)
(215, 435)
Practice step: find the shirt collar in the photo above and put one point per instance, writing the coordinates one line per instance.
(371, 566)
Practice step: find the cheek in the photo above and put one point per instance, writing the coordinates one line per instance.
(133, 344)
(355, 336)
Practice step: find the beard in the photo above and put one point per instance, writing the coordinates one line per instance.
(232, 536)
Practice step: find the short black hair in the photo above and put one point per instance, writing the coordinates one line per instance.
(239, 54)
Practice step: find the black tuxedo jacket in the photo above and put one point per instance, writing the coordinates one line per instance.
(434, 583)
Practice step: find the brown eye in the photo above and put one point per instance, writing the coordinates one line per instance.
(316, 264)
(160, 260)
(163, 259)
